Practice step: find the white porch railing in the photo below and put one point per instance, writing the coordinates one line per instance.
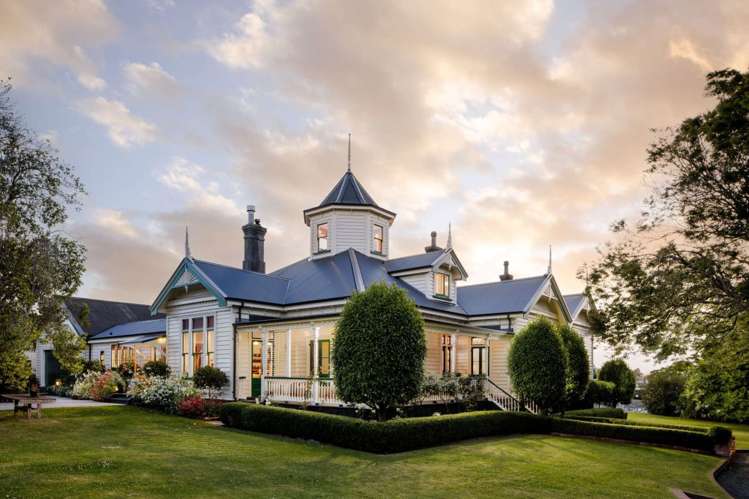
(506, 401)
(320, 391)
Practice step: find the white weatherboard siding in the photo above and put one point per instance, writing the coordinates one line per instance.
(193, 305)
(96, 348)
(424, 282)
(349, 229)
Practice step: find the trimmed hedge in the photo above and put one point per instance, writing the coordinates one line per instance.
(400, 435)
(396, 435)
(599, 412)
(722, 434)
(703, 441)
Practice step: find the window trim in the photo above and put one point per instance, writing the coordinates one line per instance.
(326, 238)
(188, 357)
(446, 285)
(446, 347)
(375, 240)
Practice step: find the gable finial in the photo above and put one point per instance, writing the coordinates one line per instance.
(548, 271)
(449, 243)
(187, 244)
(348, 169)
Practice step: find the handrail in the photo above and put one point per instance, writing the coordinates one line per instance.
(505, 400)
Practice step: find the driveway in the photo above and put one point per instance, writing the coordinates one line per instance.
(60, 402)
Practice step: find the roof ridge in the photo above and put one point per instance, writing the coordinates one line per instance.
(107, 301)
(502, 282)
(358, 278)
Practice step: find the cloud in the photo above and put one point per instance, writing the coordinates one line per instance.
(150, 78)
(189, 178)
(54, 32)
(115, 222)
(123, 128)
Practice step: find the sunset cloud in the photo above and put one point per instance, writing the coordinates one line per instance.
(123, 128)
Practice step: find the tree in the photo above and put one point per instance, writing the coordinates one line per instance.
(578, 369)
(379, 349)
(600, 392)
(616, 371)
(537, 362)
(39, 266)
(211, 379)
(663, 391)
(677, 281)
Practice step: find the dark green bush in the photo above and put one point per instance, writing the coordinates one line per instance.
(662, 393)
(600, 392)
(601, 412)
(211, 379)
(616, 371)
(381, 437)
(379, 350)
(578, 367)
(637, 423)
(537, 363)
(156, 368)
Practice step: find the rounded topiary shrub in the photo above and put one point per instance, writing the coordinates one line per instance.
(210, 379)
(538, 365)
(578, 368)
(378, 350)
(663, 391)
(616, 371)
(600, 392)
(156, 368)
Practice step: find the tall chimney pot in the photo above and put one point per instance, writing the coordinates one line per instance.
(433, 246)
(506, 276)
(254, 243)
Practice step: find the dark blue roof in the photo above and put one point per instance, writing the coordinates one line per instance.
(573, 302)
(503, 297)
(244, 284)
(317, 280)
(151, 326)
(422, 260)
(103, 314)
(348, 190)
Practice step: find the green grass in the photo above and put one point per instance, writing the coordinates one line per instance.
(740, 431)
(125, 451)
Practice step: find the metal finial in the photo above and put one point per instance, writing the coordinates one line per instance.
(349, 154)
(548, 271)
(187, 244)
(449, 236)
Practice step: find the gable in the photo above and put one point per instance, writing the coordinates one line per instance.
(187, 276)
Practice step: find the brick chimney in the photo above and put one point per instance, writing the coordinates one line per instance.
(254, 243)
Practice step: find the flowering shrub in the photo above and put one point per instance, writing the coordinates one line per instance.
(83, 385)
(106, 385)
(192, 407)
(161, 393)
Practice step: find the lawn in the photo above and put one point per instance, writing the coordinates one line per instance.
(125, 451)
(740, 431)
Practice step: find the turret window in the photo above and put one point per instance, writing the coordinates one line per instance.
(441, 285)
(377, 239)
(322, 237)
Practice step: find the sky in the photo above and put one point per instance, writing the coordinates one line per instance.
(522, 124)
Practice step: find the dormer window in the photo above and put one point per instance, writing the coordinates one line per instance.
(441, 285)
(322, 237)
(377, 239)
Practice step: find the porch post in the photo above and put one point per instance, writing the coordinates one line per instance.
(454, 352)
(263, 360)
(288, 353)
(316, 364)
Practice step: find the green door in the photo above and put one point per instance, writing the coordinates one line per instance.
(257, 366)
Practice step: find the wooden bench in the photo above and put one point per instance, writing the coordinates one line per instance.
(27, 403)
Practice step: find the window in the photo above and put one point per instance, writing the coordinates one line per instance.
(323, 358)
(377, 238)
(197, 343)
(477, 356)
(447, 349)
(322, 237)
(441, 285)
(210, 341)
(185, 346)
(101, 357)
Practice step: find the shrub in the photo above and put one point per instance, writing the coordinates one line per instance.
(83, 384)
(161, 393)
(662, 393)
(211, 379)
(126, 371)
(396, 435)
(156, 368)
(578, 368)
(537, 365)
(93, 365)
(106, 384)
(600, 412)
(617, 372)
(379, 350)
(192, 407)
(600, 392)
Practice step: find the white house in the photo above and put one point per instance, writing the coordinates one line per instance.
(271, 332)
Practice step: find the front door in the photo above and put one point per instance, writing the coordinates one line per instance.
(257, 363)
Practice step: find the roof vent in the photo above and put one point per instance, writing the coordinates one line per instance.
(433, 246)
(506, 276)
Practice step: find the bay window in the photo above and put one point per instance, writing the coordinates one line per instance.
(198, 343)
